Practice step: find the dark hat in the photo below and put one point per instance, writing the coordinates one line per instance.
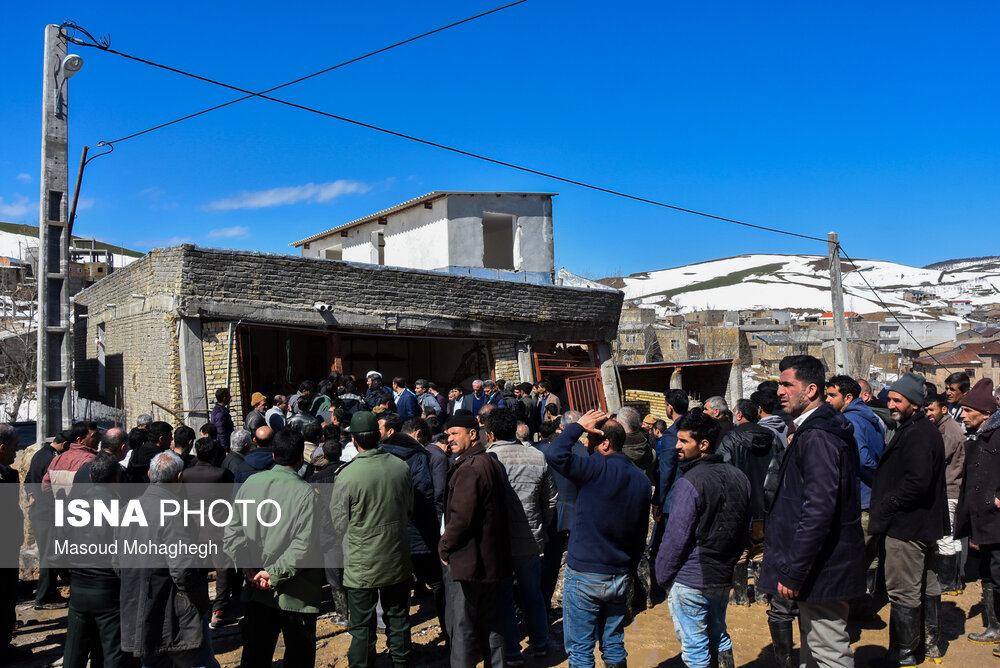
(363, 421)
(980, 397)
(911, 387)
(463, 421)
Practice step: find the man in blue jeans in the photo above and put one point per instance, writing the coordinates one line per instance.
(705, 536)
(606, 540)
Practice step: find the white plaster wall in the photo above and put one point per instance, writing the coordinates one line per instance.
(533, 245)
(415, 238)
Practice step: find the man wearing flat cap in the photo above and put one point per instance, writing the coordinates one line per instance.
(474, 547)
(909, 505)
(978, 515)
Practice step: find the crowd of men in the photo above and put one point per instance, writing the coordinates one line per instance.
(830, 498)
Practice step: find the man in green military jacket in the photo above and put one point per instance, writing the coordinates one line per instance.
(372, 503)
(284, 594)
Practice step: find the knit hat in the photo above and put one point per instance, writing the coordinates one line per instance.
(256, 398)
(911, 387)
(463, 421)
(980, 397)
(363, 421)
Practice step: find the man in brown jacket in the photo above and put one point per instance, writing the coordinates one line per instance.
(474, 547)
(978, 516)
(949, 549)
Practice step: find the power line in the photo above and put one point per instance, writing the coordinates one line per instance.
(887, 309)
(104, 46)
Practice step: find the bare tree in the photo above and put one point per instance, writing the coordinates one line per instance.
(18, 347)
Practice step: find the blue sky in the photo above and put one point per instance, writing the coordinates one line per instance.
(877, 120)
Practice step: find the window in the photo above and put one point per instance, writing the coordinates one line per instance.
(336, 253)
(498, 241)
(378, 248)
(971, 373)
(675, 344)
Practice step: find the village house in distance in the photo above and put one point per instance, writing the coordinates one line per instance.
(451, 286)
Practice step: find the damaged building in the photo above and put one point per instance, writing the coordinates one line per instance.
(161, 334)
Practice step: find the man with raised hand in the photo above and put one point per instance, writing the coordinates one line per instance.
(606, 541)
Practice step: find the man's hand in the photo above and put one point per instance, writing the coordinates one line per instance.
(262, 580)
(591, 419)
(657, 513)
(996, 502)
(785, 592)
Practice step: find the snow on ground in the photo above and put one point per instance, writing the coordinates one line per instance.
(799, 281)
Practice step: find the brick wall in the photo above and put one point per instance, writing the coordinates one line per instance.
(217, 351)
(505, 361)
(141, 304)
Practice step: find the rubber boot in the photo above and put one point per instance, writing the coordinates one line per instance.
(908, 633)
(781, 643)
(951, 579)
(339, 596)
(758, 595)
(904, 638)
(726, 659)
(739, 595)
(932, 632)
(991, 634)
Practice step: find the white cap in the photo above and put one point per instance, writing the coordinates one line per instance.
(373, 373)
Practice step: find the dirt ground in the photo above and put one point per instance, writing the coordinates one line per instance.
(650, 639)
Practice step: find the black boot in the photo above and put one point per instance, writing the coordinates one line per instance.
(991, 634)
(781, 643)
(616, 664)
(932, 632)
(758, 595)
(726, 659)
(950, 578)
(904, 638)
(739, 596)
(339, 596)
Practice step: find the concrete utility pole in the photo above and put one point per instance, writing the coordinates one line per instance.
(840, 359)
(54, 389)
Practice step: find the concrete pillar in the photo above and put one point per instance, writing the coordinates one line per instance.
(734, 388)
(194, 392)
(54, 363)
(525, 365)
(609, 377)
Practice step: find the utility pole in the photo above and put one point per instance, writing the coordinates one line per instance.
(840, 358)
(54, 385)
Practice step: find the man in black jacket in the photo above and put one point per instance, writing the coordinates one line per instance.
(41, 511)
(813, 546)
(978, 516)
(909, 505)
(750, 448)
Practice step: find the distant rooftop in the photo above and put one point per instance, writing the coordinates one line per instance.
(431, 196)
(32, 231)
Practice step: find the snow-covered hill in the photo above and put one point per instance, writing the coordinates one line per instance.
(772, 281)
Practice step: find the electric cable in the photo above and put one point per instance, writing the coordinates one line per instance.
(887, 309)
(105, 46)
(106, 42)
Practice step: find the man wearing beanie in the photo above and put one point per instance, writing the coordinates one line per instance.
(977, 516)
(909, 505)
(255, 418)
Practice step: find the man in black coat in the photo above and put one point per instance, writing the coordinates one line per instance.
(813, 546)
(909, 505)
(978, 515)
(750, 448)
